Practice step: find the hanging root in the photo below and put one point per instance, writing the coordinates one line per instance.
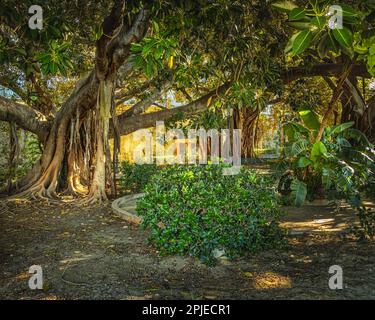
(97, 193)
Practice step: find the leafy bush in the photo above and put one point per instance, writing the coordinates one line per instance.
(196, 209)
(341, 164)
(134, 177)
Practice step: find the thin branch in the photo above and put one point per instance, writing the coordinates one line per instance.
(142, 105)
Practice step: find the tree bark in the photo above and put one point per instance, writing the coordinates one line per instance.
(245, 120)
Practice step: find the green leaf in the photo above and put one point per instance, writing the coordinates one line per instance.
(158, 52)
(289, 46)
(361, 50)
(284, 6)
(332, 44)
(304, 162)
(297, 14)
(292, 128)
(357, 135)
(318, 150)
(310, 119)
(149, 69)
(341, 127)
(53, 67)
(299, 146)
(299, 25)
(299, 192)
(348, 11)
(343, 36)
(302, 42)
(323, 47)
(319, 22)
(155, 26)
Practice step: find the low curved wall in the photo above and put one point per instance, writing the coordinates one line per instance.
(124, 208)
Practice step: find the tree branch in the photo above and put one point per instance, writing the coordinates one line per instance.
(109, 26)
(142, 105)
(25, 117)
(116, 53)
(130, 124)
(119, 47)
(324, 69)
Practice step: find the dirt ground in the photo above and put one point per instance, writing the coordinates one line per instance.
(88, 253)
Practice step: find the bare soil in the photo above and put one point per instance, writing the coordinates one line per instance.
(88, 253)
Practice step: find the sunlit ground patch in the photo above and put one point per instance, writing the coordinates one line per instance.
(269, 280)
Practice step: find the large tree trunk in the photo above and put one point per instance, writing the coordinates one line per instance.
(245, 119)
(75, 156)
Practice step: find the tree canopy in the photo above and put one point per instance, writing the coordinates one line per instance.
(67, 82)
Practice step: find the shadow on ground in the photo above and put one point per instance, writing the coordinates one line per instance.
(88, 253)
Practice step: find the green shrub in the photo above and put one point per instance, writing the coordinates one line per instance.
(196, 209)
(134, 177)
(340, 166)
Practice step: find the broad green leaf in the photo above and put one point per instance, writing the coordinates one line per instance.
(297, 14)
(299, 192)
(310, 119)
(289, 46)
(303, 162)
(343, 36)
(284, 6)
(299, 146)
(371, 62)
(292, 128)
(348, 11)
(302, 41)
(341, 127)
(318, 150)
